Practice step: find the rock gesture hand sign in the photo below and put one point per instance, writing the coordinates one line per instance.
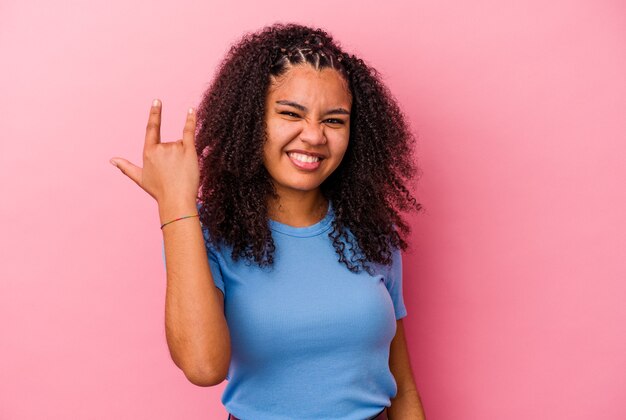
(170, 171)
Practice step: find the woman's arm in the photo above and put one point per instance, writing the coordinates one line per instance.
(406, 405)
(195, 327)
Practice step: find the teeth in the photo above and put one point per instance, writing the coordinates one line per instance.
(304, 158)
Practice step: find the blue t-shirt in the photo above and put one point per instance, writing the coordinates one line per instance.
(309, 338)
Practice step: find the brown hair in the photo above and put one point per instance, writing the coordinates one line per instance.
(367, 190)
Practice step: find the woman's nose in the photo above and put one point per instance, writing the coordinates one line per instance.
(313, 133)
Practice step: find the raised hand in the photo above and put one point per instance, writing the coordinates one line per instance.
(170, 170)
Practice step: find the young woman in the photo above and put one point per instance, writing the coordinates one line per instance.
(282, 233)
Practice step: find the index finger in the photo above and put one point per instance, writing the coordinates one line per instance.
(153, 129)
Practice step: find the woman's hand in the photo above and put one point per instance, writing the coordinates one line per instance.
(170, 170)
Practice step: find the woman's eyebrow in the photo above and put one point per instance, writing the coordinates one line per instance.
(304, 109)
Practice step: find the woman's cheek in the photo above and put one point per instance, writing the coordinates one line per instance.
(290, 129)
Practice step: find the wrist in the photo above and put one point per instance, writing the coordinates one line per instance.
(171, 210)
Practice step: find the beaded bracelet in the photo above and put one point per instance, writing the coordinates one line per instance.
(180, 218)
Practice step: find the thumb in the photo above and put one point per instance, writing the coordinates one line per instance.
(128, 169)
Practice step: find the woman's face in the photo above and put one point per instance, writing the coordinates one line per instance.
(307, 114)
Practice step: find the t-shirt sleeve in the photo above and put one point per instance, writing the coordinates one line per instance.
(214, 264)
(214, 261)
(394, 284)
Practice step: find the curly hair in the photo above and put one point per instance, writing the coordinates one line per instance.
(367, 190)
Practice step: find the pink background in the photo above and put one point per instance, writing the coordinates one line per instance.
(515, 286)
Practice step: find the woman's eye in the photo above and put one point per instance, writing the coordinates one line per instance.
(294, 115)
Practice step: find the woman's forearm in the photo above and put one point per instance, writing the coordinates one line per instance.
(195, 327)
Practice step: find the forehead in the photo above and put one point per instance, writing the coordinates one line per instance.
(305, 84)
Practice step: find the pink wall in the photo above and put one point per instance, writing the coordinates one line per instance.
(515, 287)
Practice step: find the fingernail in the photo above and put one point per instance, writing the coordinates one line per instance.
(113, 163)
(156, 102)
(190, 111)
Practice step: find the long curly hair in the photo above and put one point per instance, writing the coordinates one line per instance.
(368, 189)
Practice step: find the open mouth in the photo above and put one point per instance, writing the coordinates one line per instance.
(306, 162)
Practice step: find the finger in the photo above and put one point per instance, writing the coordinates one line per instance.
(189, 132)
(153, 129)
(128, 169)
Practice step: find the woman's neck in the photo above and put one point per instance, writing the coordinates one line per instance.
(298, 209)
